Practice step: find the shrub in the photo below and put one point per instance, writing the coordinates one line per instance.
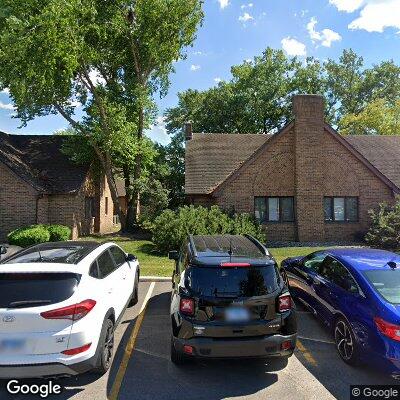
(34, 234)
(59, 233)
(170, 228)
(29, 236)
(385, 227)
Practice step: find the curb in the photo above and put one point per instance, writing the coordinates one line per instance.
(155, 279)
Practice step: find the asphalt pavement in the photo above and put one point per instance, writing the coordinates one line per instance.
(142, 370)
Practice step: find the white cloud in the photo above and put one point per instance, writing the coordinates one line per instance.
(158, 131)
(245, 17)
(217, 80)
(96, 77)
(6, 106)
(347, 5)
(325, 37)
(223, 3)
(248, 60)
(194, 67)
(197, 53)
(374, 16)
(243, 6)
(293, 47)
(5, 91)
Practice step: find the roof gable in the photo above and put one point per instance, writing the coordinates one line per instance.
(211, 158)
(39, 161)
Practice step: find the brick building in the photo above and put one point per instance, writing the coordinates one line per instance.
(39, 184)
(304, 183)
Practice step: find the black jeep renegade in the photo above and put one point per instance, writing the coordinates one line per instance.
(229, 300)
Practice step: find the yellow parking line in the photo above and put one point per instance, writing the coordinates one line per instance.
(306, 354)
(129, 347)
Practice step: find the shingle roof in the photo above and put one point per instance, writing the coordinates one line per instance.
(211, 158)
(38, 160)
(383, 152)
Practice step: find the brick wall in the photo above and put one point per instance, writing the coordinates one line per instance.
(308, 163)
(17, 202)
(269, 174)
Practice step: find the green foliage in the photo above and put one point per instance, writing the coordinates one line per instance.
(34, 234)
(378, 118)
(29, 236)
(385, 227)
(59, 233)
(172, 227)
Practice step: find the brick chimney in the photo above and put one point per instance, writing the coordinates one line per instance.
(188, 131)
(308, 143)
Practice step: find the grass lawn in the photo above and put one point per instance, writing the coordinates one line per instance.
(153, 264)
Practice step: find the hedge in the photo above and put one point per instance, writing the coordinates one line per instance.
(34, 234)
(170, 228)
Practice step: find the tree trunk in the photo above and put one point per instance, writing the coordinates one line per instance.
(106, 164)
(133, 205)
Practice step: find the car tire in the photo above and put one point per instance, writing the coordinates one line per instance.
(345, 342)
(135, 295)
(177, 357)
(105, 348)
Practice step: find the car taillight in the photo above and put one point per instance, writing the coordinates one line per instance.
(284, 303)
(74, 312)
(72, 352)
(234, 265)
(392, 331)
(186, 306)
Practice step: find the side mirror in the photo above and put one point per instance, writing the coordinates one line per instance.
(131, 257)
(173, 255)
(3, 249)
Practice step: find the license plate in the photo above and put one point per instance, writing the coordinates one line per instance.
(237, 314)
(12, 345)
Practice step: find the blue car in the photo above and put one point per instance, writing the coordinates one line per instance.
(356, 292)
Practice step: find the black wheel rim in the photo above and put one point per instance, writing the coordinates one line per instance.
(344, 340)
(108, 345)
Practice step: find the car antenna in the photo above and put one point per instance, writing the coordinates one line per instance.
(40, 254)
(230, 249)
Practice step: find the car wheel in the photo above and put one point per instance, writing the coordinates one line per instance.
(177, 358)
(345, 342)
(135, 295)
(106, 347)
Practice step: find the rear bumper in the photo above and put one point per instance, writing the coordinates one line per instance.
(264, 347)
(46, 370)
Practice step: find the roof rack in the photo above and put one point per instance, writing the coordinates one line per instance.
(192, 245)
(263, 249)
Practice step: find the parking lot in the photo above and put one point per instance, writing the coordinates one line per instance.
(314, 372)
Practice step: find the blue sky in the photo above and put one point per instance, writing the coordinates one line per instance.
(236, 30)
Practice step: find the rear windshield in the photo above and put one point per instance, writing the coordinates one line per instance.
(386, 283)
(23, 290)
(233, 282)
(63, 255)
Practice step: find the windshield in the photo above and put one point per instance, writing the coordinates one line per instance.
(386, 283)
(36, 289)
(63, 255)
(233, 282)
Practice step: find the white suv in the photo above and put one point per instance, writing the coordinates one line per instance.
(59, 306)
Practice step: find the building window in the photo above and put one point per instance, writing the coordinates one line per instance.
(341, 209)
(89, 207)
(106, 205)
(274, 209)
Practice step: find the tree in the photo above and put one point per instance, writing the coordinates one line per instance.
(108, 58)
(377, 118)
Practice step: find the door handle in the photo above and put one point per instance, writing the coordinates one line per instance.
(110, 291)
(124, 276)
